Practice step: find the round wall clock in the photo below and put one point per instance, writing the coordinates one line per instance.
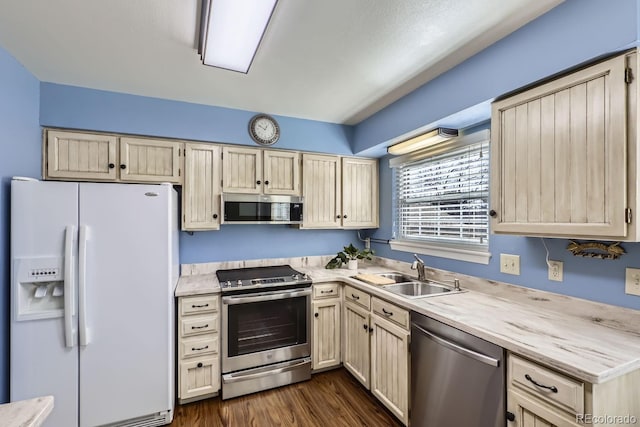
(264, 129)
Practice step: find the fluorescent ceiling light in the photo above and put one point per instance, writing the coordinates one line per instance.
(231, 31)
(423, 140)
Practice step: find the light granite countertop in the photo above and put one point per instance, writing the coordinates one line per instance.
(591, 341)
(26, 413)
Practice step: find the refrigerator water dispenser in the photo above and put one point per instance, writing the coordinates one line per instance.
(39, 288)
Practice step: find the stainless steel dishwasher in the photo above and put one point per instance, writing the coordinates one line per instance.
(457, 379)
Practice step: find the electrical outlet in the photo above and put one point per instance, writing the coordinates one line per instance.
(632, 281)
(510, 264)
(555, 270)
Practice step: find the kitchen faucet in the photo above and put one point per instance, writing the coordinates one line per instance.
(418, 264)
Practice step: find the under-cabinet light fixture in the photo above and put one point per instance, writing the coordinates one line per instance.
(423, 140)
(231, 31)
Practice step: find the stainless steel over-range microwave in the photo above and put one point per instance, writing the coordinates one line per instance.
(261, 209)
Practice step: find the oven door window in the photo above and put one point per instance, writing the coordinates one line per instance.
(266, 325)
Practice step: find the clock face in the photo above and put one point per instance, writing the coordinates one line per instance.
(264, 129)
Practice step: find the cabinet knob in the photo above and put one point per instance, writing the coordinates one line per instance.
(111, 166)
(510, 416)
(215, 216)
(366, 327)
(338, 216)
(200, 365)
(344, 216)
(493, 213)
(266, 183)
(123, 166)
(370, 330)
(316, 315)
(258, 182)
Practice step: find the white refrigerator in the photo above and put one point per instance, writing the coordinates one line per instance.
(93, 271)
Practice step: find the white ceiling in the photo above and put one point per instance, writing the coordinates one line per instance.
(331, 60)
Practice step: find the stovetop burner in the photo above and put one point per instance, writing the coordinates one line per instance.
(261, 277)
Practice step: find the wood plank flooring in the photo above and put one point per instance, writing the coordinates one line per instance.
(329, 399)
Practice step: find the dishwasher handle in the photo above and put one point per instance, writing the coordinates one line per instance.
(457, 348)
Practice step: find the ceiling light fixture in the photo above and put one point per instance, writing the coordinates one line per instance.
(423, 140)
(231, 31)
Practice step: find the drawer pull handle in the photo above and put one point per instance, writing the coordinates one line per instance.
(387, 313)
(354, 296)
(200, 327)
(552, 387)
(199, 348)
(199, 305)
(327, 292)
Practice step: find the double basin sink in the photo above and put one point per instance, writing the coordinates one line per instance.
(409, 287)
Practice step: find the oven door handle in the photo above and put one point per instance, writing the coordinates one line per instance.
(265, 296)
(240, 376)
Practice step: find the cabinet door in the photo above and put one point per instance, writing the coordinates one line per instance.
(532, 413)
(558, 156)
(145, 160)
(390, 366)
(356, 350)
(359, 193)
(201, 191)
(326, 333)
(281, 172)
(321, 189)
(242, 170)
(81, 156)
(199, 377)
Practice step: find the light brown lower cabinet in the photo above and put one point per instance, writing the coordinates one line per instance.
(198, 347)
(539, 396)
(326, 320)
(376, 348)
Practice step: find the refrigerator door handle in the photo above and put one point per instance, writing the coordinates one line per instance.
(82, 286)
(69, 332)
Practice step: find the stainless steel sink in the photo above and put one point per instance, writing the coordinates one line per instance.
(415, 289)
(397, 277)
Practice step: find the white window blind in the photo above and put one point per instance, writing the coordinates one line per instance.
(444, 198)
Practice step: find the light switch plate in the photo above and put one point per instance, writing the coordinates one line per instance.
(555, 270)
(632, 281)
(510, 264)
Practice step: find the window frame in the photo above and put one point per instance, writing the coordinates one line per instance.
(470, 252)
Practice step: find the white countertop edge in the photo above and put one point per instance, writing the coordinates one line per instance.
(26, 413)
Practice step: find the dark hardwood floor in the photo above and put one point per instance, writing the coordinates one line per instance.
(329, 399)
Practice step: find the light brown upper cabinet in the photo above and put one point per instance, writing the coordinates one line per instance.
(339, 192)
(257, 171)
(563, 157)
(201, 190)
(101, 157)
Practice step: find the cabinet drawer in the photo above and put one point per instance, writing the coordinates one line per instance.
(326, 290)
(563, 392)
(198, 304)
(358, 297)
(390, 312)
(200, 324)
(199, 377)
(199, 344)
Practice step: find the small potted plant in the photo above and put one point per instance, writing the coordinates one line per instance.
(350, 256)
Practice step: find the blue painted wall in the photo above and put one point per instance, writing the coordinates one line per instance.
(20, 148)
(573, 32)
(81, 108)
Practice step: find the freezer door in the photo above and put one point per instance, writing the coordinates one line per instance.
(126, 302)
(40, 361)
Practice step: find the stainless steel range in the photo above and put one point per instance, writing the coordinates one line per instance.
(265, 328)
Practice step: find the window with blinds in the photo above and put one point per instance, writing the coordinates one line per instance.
(444, 198)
